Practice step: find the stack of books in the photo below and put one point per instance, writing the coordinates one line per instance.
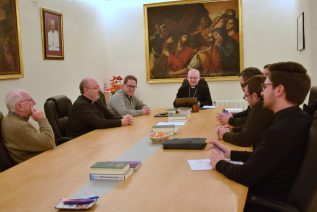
(171, 110)
(184, 110)
(177, 117)
(113, 170)
(164, 128)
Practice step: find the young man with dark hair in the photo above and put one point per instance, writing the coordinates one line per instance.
(270, 170)
(239, 119)
(258, 119)
(265, 70)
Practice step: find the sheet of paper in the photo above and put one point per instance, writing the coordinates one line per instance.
(209, 107)
(200, 164)
(234, 110)
(204, 164)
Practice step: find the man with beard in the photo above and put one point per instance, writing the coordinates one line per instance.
(182, 54)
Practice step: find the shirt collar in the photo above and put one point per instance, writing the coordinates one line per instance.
(19, 117)
(286, 112)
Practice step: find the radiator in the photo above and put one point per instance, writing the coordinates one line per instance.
(231, 103)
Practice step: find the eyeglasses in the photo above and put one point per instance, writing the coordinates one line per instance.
(26, 100)
(132, 86)
(246, 96)
(264, 85)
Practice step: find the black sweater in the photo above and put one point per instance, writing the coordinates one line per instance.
(201, 91)
(258, 120)
(86, 116)
(271, 169)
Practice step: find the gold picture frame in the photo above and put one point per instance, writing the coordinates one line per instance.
(52, 34)
(11, 62)
(201, 34)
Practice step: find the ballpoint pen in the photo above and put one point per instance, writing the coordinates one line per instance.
(78, 201)
(219, 148)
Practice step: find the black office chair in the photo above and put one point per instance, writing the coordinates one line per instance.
(312, 101)
(312, 95)
(57, 109)
(303, 195)
(5, 160)
(102, 98)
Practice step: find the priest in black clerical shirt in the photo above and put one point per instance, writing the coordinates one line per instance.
(194, 86)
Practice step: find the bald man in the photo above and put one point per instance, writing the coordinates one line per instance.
(88, 114)
(194, 86)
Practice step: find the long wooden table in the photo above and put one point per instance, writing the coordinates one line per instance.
(163, 183)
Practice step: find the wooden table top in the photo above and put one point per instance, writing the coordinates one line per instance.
(164, 182)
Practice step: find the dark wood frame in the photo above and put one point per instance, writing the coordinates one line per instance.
(55, 51)
(11, 62)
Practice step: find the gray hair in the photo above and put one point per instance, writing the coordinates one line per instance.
(12, 98)
(193, 70)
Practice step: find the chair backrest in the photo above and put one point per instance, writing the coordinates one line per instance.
(304, 192)
(57, 109)
(102, 98)
(312, 95)
(5, 160)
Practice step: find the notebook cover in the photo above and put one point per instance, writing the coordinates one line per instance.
(185, 143)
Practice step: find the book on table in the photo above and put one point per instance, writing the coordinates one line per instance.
(122, 177)
(171, 110)
(177, 117)
(134, 164)
(162, 114)
(185, 143)
(110, 167)
(163, 128)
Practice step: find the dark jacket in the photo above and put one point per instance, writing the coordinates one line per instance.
(270, 170)
(239, 119)
(258, 120)
(201, 91)
(86, 116)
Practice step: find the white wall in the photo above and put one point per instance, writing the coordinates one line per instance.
(84, 51)
(106, 37)
(305, 56)
(312, 39)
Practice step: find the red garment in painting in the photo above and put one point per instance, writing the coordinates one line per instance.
(180, 59)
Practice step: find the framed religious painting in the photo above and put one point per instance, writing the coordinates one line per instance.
(52, 34)
(183, 35)
(11, 63)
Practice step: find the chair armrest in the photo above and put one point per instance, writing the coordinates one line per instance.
(61, 140)
(273, 204)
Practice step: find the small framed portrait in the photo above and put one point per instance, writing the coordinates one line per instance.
(193, 34)
(10, 41)
(52, 34)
